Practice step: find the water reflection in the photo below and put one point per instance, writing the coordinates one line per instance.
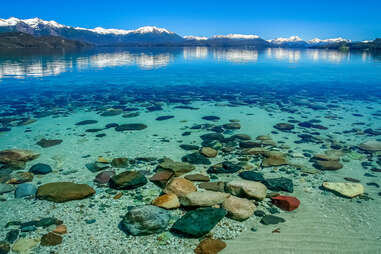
(147, 59)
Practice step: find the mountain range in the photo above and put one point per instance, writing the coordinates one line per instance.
(154, 36)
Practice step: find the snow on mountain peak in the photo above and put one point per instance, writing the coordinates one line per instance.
(333, 40)
(290, 39)
(236, 36)
(151, 29)
(197, 38)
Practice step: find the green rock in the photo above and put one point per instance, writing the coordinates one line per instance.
(128, 180)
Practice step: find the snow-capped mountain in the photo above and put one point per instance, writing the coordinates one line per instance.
(196, 38)
(236, 36)
(291, 42)
(327, 41)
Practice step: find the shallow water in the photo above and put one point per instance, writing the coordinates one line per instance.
(331, 98)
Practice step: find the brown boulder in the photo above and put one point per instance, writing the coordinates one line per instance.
(209, 152)
(274, 158)
(64, 191)
(17, 157)
(210, 246)
(180, 187)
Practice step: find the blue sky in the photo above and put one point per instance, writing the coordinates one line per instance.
(356, 20)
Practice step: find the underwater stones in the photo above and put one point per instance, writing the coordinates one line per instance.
(64, 191)
(328, 165)
(249, 144)
(86, 122)
(119, 162)
(213, 186)
(162, 118)
(145, 220)
(371, 146)
(5, 188)
(161, 177)
(279, 184)
(25, 190)
(349, 190)
(51, 239)
(247, 188)
(197, 178)
(112, 112)
(60, 229)
(180, 187)
(272, 220)
(208, 152)
(111, 125)
(44, 143)
(128, 180)
(210, 246)
(287, 203)
(196, 158)
(199, 222)
(178, 168)
(238, 208)
(25, 245)
(224, 167)
(4, 247)
(212, 137)
(167, 201)
(189, 147)
(232, 126)
(20, 177)
(131, 127)
(40, 169)
(17, 157)
(274, 158)
(284, 126)
(240, 137)
(104, 177)
(154, 108)
(252, 176)
(211, 118)
(203, 198)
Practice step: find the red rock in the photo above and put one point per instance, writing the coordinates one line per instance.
(286, 203)
(161, 177)
(210, 246)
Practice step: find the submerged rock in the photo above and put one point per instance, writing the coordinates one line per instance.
(20, 177)
(210, 246)
(203, 198)
(211, 118)
(178, 168)
(198, 222)
(279, 184)
(286, 203)
(371, 146)
(64, 191)
(44, 143)
(17, 157)
(86, 122)
(271, 220)
(104, 177)
(274, 158)
(4, 188)
(4, 246)
(208, 152)
(162, 177)
(145, 220)
(25, 245)
(239, 208)
(252, 176)
(51, 239)
(328, 164)
(131, 127)
(196, 158)
(162, 118)
(284, 126)
(128, 180)
(119, 162)
(247, 188)
(197, 178)
(25, 190)
(213, 186)
(349, 190)
(223, 168)
(167, 201)
(40, 169)
(180, 187)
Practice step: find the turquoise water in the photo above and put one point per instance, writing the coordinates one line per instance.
(329, 99)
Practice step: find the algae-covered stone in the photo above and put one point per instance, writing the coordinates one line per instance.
(64, 191)
(17, 157)
(128, 180)
(179, 168)
(51, 239)
(198, 222)
(349, 190)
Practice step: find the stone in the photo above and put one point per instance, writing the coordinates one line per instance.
(209, 152)
(167, 201)
(162, 177)
(60, 229)
(197, 178)
(4, 247)
(25, 190)
(131, 127)
(20, 177)
(272, 220)
(199, 222)
(180, 187)
(210, 246)
(17, 157)
(40, 169)
(274, 158)
(232, 126)
(104, 177)
(238, 208)
(12, 235)
(252, 176)
(213, 186)
(112, 112)
(178, 168)
(86, 122)
(64, 191)
(211, 118)
(349, 190)
(212, 136)
(5, 188)
(279, 184)
(145, 220)
(284, 126)
(371, 146)
(25, 245)
(189, 147)
(45, 143)
(203, 198)
(328, 165)
(241, 137)
(51, 239)
(162, 118)
(224, 168)
(128, 180)
(286, 203)
(196, 158)
(119, 162)
(247, 188)
(249, 144)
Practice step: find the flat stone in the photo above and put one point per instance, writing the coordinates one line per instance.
(210, 246)
(209, 152)
(162, 177)
(247, 188)
(162, 118)
(213, 186)
(4, 246)
(272, 220)
(119, 162)
(64, 191)
(199, 222)
(131, 127)
(286, 203)
(25, 190)
(40, 169)
(274, 158)
(5, 188)
(196, 158)
(197, 178)
(252, 176)
(20, 177)
(167, 201)
(145, 220)
(371, 146)
(86, 122)
(328, 165)
(211, 118)
(51, 239)
(284, 126)
(203, 198)
(180, 187)
(104, 177)
(60, 229)
(239, 208)
(349, 190)
(25, 245)
(17, 157)
(279, 184)
(179, 168)
(128, 180)
(224, 167)
(44, 143)
(232, 126)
